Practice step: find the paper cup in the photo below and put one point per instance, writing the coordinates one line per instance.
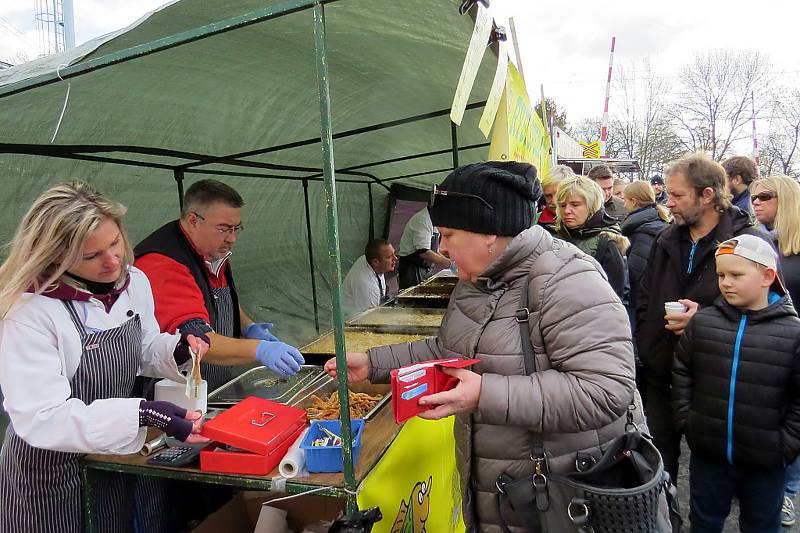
(674, 307)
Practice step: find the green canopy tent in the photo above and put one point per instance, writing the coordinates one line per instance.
(274, 101)
(243, 105)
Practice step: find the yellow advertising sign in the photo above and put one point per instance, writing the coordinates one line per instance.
(416, 483)
(518, 133)
(591, 150)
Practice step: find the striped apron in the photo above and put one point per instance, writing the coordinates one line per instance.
(40, 490)
(218, 375)
(159, 502)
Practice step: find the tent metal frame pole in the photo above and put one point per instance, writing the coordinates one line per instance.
(454, 140)
(311, 256)
(165, 43)
(371, 212)
(326, 137)
(414, 156)
(340, 135)
(179, 180)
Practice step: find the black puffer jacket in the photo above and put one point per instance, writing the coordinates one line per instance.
(666, 280)
(641, 228)
(789, 267)
(736, 385)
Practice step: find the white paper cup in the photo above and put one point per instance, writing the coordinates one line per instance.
(674, 307)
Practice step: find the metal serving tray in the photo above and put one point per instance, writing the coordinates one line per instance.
(417, 320)
(425, 296)
(325, 385)
(263, 383)
(357, 340)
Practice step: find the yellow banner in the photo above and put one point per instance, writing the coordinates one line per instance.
(518, 133)
(416, 482)
(591, 150)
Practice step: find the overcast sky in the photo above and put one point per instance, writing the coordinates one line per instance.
(564, 45)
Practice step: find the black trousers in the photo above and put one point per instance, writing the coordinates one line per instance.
(412, 271)
(659, 420)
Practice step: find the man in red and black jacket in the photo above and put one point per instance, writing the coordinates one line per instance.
(187, 262)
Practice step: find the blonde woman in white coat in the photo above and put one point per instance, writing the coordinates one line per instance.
(77, 326)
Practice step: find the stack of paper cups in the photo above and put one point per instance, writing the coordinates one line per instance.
(674, 307)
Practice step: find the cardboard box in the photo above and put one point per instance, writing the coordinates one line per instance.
(240, 515)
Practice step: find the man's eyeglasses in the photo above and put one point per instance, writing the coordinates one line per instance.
(439, 192)
(223, 228)
(764, 196)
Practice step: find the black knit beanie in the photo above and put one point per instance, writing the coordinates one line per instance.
(511, 188)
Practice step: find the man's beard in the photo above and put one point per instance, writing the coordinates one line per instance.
(690, 218)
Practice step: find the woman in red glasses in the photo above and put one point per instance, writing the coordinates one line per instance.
(776, 204)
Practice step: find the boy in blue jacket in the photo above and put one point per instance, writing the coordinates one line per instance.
(736, 391)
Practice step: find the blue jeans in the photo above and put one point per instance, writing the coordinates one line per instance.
(793, 479)
(712, 486)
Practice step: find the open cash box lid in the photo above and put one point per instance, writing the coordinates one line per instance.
(259, 430)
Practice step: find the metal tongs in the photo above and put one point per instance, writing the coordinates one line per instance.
(194, 381)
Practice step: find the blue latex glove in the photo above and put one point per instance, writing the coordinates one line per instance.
(260, 331)
(279, 357)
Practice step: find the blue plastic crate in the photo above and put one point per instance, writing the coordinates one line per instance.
(329, 458)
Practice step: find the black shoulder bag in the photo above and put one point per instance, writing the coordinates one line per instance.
(626, 491)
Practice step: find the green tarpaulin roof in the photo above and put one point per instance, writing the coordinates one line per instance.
(253, 91)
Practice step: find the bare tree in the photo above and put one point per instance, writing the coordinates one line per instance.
(641, 123)
(781, 149)
(713, 104)
(587, 130)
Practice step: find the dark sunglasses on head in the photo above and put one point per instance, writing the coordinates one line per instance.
(439, 192)
(764, 196)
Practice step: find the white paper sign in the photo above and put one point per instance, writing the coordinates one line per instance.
(477, 46)
(496, 93)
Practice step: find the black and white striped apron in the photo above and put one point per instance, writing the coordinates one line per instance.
(40, 490)
(156, 510)
(218, 375)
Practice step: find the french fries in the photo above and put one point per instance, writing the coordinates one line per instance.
(360, 405)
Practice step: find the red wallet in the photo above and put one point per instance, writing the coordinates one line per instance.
(410, 383)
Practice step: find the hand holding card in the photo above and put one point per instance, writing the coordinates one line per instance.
(423, 380)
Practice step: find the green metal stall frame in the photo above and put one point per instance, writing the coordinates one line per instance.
(126, 155)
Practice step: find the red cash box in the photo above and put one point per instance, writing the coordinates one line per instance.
(261, 431)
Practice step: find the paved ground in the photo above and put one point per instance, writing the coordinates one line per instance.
(732, 525)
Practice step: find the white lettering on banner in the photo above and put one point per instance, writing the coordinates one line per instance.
(498, 85)
(477, 45)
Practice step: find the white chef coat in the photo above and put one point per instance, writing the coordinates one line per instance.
(362, 288)
(40, 350)
(417, 234)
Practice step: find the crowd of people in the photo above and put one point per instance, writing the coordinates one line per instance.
(703, 261)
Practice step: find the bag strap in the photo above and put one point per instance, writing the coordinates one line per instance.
(602, 245)
(523, 316)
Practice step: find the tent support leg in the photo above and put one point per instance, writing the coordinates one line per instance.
(454, 139)
(371, 213)
(326, 136)
(311, 257)
(178, 174)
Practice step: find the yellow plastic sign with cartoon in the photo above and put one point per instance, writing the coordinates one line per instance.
(518, 133)
(416, 482)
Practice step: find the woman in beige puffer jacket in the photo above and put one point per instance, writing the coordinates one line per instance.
(576, 402)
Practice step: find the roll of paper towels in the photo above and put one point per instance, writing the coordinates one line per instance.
(293, 463)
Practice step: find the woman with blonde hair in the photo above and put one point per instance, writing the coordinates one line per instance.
(76, 327)
(776, 204)
(582, 221)
(644, 222)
